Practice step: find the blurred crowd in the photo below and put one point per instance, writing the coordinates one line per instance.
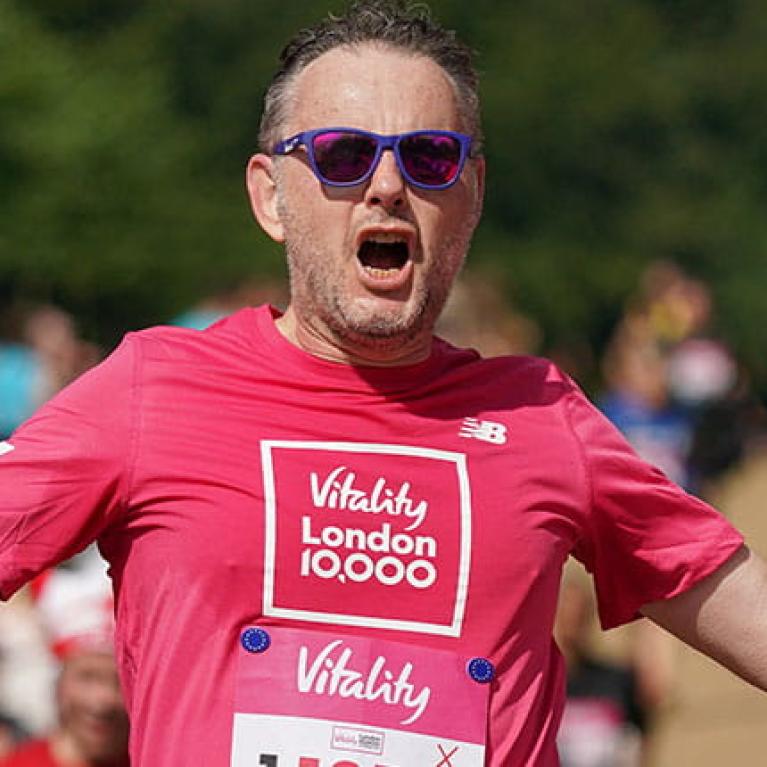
(61, 700)
(670, 382)
(671, 385)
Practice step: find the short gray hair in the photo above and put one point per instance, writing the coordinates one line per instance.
(392, 23)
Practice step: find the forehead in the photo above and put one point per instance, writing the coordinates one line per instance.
(377, 88)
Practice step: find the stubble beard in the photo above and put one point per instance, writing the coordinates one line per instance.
(318, 294)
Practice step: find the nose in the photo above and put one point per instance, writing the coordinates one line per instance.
(106, 698)
(386, 187)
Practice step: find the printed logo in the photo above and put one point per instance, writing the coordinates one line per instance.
(487, 431)
(366, 535)
(331, 673)
(354, 739)
(6, 447)
(337, 491)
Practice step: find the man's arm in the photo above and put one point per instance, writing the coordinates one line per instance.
(724, 616)
(64, 474)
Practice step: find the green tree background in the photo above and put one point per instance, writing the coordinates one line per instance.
(617, 133)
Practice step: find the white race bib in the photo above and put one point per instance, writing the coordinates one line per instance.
(315, 699)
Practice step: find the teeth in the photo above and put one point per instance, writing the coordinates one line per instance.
(375, 271)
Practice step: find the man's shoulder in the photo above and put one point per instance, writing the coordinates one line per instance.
(520, 364)
(530, 365)
(521, 369)
(506, 381)
(233, 333)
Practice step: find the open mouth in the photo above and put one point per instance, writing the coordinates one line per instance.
(383, 255)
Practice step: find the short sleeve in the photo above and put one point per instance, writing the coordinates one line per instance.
(643, 538)
(63, 473)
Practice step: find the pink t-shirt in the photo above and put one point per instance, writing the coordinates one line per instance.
(234, 481)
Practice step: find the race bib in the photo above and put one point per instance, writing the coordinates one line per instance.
(314, 699)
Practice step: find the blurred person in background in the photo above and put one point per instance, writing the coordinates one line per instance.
(19, 370)
(637, 400)
(477, 315)
(11, 734)
(76, 607)
(62, 354)
(609, 705)
(673, 387)
(47, 355)
(220, 304)
(27, 667)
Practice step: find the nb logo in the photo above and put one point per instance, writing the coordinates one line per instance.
(5, 447)
(487, 431)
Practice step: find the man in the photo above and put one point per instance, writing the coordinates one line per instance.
(92, 728)
(335, 539)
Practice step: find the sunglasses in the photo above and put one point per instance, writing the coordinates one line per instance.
(428, 159)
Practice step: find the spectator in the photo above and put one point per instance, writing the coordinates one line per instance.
(673, 386)
(27, 668)
(638, 402)
(45, 357)
(11, 734)
(19, 368)
(92, 729)
(606, 713)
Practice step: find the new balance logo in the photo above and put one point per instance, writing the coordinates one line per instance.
(487, 431)
(5, 447)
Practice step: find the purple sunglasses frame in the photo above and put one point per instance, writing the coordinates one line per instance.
(306, 139)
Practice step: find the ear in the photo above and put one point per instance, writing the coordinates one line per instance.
(262, 191)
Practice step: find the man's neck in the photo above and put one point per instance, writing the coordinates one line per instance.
(323, 344)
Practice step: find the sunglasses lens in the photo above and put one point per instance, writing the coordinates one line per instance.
(431, 159)
(343, 158)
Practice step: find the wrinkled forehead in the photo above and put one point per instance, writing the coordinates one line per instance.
(373, 87)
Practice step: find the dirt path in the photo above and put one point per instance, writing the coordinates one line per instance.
(714, 719)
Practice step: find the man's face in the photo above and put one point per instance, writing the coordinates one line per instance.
(371, 265)
(91, 708)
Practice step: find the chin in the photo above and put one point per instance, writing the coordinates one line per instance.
(384, 318)
(380, 325)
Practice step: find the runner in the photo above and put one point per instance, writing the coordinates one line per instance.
(336, 540)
